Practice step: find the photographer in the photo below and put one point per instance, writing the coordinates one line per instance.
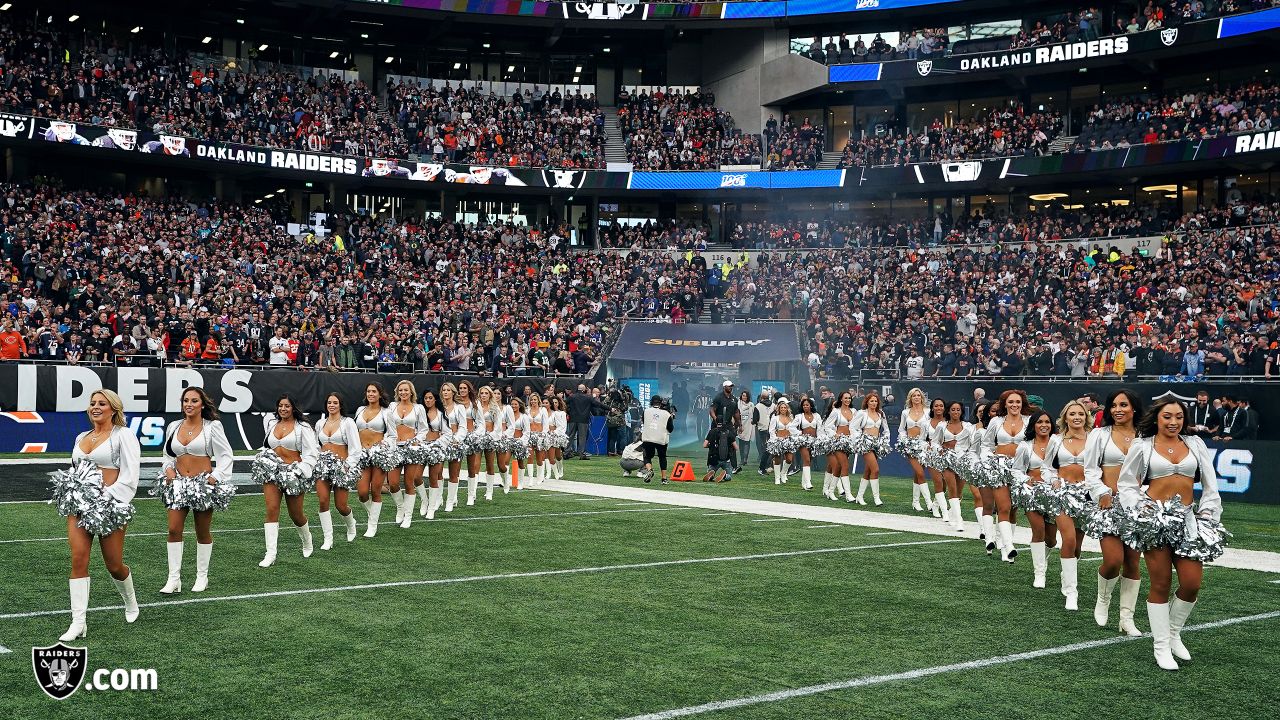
(656, 435)
(722, 450)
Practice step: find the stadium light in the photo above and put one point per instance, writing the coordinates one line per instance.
(239, 21)
(280, 190)
(206, 40)
(575, 79)
(333, 55)
(73, 18)
(511, 68)
(1160, 188)
(457, 66)
(485, 46)
(606, 50)
(6, 6)
(364, 36)
(137, 29)
(390, 59)
(578, 69)
(268, 196)
(1041, 197)
(262, 47)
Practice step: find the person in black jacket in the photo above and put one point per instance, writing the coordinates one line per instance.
(1250, 421)
(581, 407)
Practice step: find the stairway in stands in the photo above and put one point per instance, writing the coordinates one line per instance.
(829, 160)
(615, 150)
(1062, 144)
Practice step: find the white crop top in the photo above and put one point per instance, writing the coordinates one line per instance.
(458, 419)
(808, 423)
(1066, 457)
(486, 416)
(378, 424)
(210, 442)
(302, 441)
(907, 423)
(1160, 467)
(1111, 455)
(540, 418)
(837, 418)
(777, 425)
(865, 422)
(1002, 437)
(559, 421)
(416, 420)
(120, 451)
(943, 433)
(511, 423)
(344, 434)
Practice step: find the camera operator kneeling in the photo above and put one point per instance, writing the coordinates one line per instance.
(655, 432)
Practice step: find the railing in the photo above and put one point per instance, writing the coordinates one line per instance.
(895, 375)
(379, 367)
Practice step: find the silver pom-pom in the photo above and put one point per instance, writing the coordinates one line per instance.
(337, 472)
(913, 448)
(515, 447)
(1044, 499)
(383, 457)
(1205, 540)
(78, 491)
(1152, 523)
(993, 471)
(781, 446)
(1096, 522)
(1021, 496)
(268, 469)
(864, 443)
(193, 492)
(557, 440)
(1073, 499)
(931, 458)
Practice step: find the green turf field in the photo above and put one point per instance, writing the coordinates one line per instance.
(551, 605)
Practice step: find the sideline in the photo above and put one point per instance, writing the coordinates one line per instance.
(1259, 560)
(870, 680)
(504, 576)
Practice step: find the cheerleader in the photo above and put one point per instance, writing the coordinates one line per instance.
(982, 498)
(873, 431)
(456, 415)
(1027, 466)
(912, 432)
(808, 422)
(436, 438)
(474, 438)
(1007, 428)
(114, 452)
(782, 428)
(953, 438)
(291, 441)
(196, 451)
(539, 429)
(1104, 455)
(745, 428)
(490, 414)
(937, 416)
(558, 434)
(405, 421)
(1064, 468)
(515, 428)
(371, 425)
(1160, 472)
(338, 436)
(837, 431)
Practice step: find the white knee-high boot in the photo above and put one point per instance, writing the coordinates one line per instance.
(434, 496)
(1102, 606)
(326, 529)
(915, 497)
(204, 551)
(983, 530)
(957, 514)
(130, 598)
(1179, 611)
(271, 531)
(862, 490)
(940, 506)
(398, 497)
(1007, 551)
(546, 472)
(79, 588)
(1129, 603)
(473, 483)
(490, 479)
(304, 534)
(375, 511)
(845, 487)
(806, 478)
(875, 491)
(423, 496)
(451, 497)
(510, 479)
(1069, 583)
(173, 584)
(349, 521)
(1158, 616)
(1039, 564)
(410, 499)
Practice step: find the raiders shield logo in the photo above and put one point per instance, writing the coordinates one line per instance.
(566, 179)
(924, 67)
(1169, 36)
(59, 669)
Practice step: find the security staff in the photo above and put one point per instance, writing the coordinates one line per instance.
(656, 434)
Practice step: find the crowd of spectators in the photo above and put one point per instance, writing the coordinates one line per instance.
(793, 146)
(676, 130)
(1246, 107)
(116, 277)
(654, 236)
(129, 84)
(535, 128)
(920, 43)
(1206, 302)
(998, 132)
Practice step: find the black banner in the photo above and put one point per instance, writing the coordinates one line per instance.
(704, 343)
(66, 388)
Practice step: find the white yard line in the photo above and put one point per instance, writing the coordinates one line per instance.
(505, 576)
(812, 527)
(717, 514)
(870, 680)
(633, 503)
(1233, 558)
(891, 532)
(4, 650)
(385, 522)
(770, 519)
